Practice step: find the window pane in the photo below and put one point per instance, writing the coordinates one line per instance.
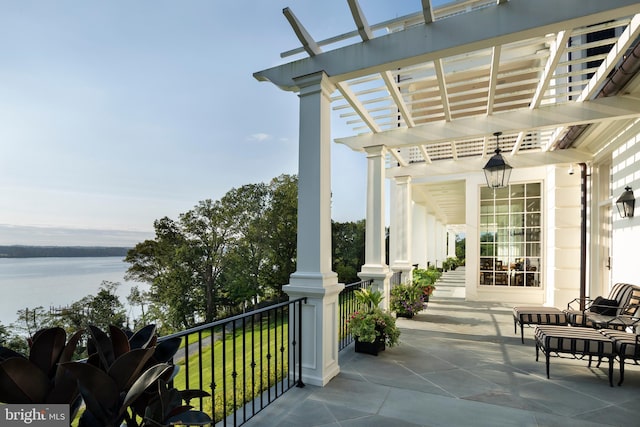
(533, 249)
(533, 205)
(517, 205)
(533, 234)
(517, 191)
(533, 189)
(502, 193)
(486, 207)
(517, 220)
(502, 221)
(486, 193)
(533, 220)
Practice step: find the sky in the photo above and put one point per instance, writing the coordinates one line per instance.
(115, 114)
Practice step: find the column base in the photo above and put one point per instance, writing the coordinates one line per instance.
(319, 326)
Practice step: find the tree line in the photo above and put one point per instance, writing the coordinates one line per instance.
(24, 251)
(220, 258)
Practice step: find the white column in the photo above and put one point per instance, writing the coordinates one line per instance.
(375, 266)
(451, 249)
(313, 278)
(401, 233)
(432, 255)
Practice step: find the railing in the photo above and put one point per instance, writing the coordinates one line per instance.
(396, 279)
(245, 361)
(347, 304)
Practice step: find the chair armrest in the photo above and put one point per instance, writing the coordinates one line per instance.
(587, 303)
(623, 320)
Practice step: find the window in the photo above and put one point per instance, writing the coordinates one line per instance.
(510, 235)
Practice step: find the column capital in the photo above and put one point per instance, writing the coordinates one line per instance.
(313, 83)
(405, 179)
(376, 150)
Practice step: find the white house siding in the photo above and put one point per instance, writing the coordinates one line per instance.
(625, 261)
(562, 236)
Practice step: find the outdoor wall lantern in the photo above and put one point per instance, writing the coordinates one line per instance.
(626, 203)
(497, 171)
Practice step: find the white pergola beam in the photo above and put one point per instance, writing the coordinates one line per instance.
(425, 154)
(493, 79)
(401, 161)
(392, 87)
(551, 65)
(361, 22)
(442, 84)
(427, 11)
(456, 35)
(358, 107)
(474, 164)
(309, 44)
(546, 117)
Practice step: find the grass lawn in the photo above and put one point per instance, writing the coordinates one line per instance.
(238, 367)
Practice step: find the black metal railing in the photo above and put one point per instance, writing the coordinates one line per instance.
(245, 361)
(347, 304)
(396, 279)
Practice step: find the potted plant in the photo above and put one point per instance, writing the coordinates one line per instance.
(425, 279)
(408, 299)
(372, 328)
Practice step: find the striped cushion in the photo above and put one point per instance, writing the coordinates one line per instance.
(567, 339)
(627, 344)
(539, 316)
(622, 292)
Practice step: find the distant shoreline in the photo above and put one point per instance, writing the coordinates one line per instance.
(25, 251)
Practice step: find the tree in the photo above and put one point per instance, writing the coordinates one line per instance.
(281, 221)
(138, 297)
(31, 320)
(348, 245)
(461, 247)
(220, 255)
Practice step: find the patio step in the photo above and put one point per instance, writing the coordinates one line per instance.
(450, 284)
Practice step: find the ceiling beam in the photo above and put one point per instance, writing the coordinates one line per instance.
(546, 117)
(459, 34)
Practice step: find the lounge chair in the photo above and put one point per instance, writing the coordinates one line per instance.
(623, 301)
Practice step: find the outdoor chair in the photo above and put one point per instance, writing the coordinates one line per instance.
(627, 346)
(622, 302)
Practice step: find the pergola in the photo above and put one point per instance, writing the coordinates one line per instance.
(425, 93)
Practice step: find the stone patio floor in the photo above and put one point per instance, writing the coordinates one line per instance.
(460, 363)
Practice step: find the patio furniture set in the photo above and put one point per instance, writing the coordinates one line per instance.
(602, 327)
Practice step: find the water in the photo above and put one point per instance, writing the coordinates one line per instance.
(54, 282)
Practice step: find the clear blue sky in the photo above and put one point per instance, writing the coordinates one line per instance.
(116, 113)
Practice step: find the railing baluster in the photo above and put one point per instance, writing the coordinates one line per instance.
(269, 357)
(244, 368)
(224, 373)
(200, 379)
